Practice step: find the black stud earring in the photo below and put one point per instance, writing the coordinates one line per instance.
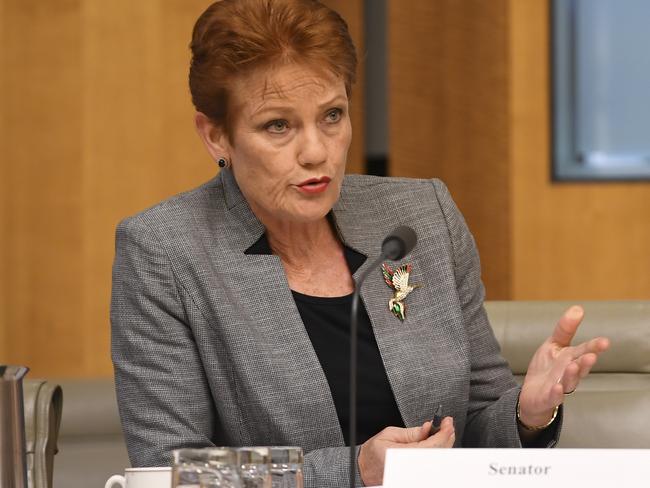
(222, 162)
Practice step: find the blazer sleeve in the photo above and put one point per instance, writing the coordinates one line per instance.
(163, 396)
(329, 468)
(493, 394)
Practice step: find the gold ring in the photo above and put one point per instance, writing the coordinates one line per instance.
(570, 392)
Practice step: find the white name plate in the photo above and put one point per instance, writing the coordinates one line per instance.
(504, 468)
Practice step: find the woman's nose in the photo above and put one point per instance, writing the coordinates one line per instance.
(312, 148)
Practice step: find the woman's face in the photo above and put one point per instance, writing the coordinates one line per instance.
(290, 138)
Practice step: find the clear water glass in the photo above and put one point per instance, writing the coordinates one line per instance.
(212, 467)
(286, 466)
(253, 464)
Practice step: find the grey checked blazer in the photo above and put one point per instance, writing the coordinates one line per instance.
(209, 348)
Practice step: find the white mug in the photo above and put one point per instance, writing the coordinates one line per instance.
(142, 478)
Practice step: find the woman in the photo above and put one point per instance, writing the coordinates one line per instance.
(231, 302)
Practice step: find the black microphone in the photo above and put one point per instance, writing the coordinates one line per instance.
(396, 245)
(399, 243)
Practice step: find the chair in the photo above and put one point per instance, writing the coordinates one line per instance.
(43, 403)
(610, 407)
(608, 410)
(91, 443)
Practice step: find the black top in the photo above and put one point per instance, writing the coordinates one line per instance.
(327, 321)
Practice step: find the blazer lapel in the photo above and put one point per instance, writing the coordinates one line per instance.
(421, 355)
(288, 366)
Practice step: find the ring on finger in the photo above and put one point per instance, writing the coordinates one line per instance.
(569, 392)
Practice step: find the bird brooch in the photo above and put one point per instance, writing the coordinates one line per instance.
(398, 281)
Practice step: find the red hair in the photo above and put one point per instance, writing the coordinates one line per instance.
(234, 37)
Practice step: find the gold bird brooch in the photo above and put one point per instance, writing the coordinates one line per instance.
(398, 281)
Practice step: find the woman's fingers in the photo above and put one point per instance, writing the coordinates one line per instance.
(571, 378)
(567, 325)
(577, 370)
(403, 435)
(596, 345)
(556, 395)
(582, 365)
(419, 436)
(585, 363)
(373, 451)
(446, 441)
(564, 373)
(445, 437)
(574, 363)
(558, 369)
(413, 435)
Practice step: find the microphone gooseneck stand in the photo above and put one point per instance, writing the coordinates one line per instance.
(354, 316)
(397, 245)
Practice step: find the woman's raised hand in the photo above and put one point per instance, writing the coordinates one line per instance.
(373, 451)
(557, 368)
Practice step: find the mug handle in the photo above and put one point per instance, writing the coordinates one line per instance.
(116, 479)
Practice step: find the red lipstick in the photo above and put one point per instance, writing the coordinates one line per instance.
(314, 185)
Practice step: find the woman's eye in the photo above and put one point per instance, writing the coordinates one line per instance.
(334, 115)
(277, 126)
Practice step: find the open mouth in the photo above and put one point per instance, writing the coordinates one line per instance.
(314, 185)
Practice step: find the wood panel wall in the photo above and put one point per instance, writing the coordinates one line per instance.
(469, 103)
(352, 12)
(573, 241)
(95, 124)
(4, 227)
(448, 118)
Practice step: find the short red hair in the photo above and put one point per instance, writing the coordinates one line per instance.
(234, 37)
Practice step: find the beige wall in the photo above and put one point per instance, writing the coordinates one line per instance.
(469, 102)
(96, 124)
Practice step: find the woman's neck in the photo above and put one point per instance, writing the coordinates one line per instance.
(312, 255)
(299, 244)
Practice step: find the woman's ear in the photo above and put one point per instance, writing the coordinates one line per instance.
(214, 137)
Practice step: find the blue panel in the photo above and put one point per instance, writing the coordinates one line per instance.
(601, 89)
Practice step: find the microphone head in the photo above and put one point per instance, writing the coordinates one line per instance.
(399, 243)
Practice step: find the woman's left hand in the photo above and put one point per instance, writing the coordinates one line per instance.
(556, 369)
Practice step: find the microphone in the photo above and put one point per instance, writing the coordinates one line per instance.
(399, 243)
(396, 245)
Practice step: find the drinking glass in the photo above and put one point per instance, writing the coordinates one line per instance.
(286, 466)
(212, 467)
(253, 464)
